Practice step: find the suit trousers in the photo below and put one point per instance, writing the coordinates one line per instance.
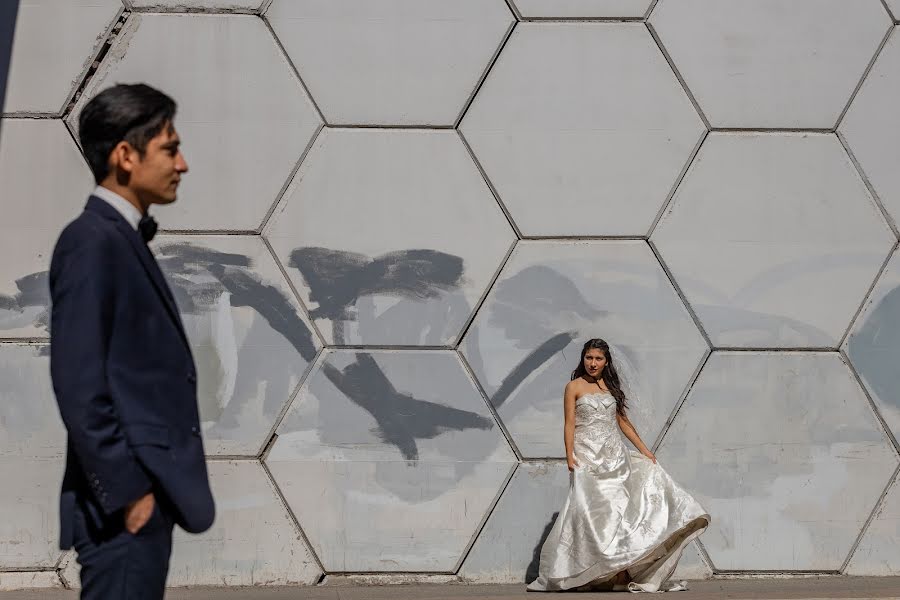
(118, 564)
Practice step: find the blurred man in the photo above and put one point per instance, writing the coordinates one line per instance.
(122, 370)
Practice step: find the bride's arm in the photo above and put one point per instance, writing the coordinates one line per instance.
(632, 434)
(569, 426)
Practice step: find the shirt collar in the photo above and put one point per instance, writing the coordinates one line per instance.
(125, 208)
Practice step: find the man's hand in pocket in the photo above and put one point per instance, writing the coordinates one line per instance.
(139, 512)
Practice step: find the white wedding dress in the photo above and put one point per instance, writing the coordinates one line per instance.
(623, 512)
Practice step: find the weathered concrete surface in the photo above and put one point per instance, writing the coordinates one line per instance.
(771, 63)
(759, 231)
(771, 445)
(582, 128)
(550, 298)
(871, 127)
(736, 589)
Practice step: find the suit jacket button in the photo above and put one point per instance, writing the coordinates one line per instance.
(192, 378)
(195, 430)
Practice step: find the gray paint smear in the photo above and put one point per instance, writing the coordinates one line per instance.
(874, 350)
(338, 279)
(401, 418)
(535, 360)
(526, 316)
(34, 291)
(233, 274)
(271, 303)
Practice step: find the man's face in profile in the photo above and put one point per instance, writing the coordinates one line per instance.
(158, 172)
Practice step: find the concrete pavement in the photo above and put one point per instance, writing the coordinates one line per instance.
(732, 589)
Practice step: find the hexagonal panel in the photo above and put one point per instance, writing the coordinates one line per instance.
(251, 340)
(549, 9)
(243, 116)
(871, 127)
(253, 541)
(582, 128)
(550, 298)
(53, 46)
(878, 553)
(232, 6)
(391, 237)
(771, 63)
(874, 344)
(784, 449)
(30, 224)
(508, 549)
(415, 62)
(766, 226)
(390, 460)
(32, 446)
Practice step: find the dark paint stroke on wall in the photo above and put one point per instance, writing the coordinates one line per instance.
(401, 418)
(337, 279)
(533, 361)
(271, 303)
(233, 274)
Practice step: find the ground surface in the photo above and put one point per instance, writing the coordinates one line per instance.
(764, 589)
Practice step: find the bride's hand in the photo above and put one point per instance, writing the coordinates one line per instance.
(650, 455)
(571, 462)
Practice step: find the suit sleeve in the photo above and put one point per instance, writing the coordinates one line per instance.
(83, 296)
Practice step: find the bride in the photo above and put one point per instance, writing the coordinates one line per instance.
(625, 522)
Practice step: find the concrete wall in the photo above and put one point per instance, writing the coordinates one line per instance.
(404, 217)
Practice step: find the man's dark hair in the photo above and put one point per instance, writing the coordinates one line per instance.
(131, 113)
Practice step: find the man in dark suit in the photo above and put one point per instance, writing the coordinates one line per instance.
(122, 369)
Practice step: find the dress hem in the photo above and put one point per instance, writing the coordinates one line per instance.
(594, 574)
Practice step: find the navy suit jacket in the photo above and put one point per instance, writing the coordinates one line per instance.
(124, 378)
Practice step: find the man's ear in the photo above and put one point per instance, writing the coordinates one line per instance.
(123, 157)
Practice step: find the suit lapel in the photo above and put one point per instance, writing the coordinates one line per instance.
(146, 258)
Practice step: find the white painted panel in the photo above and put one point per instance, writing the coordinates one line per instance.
(53, 45)
(405, 456)
(243, 116)
(32, 446)
(253, 541)
(878, 553)
(36, 207)
(508, 550)
(872, 126)
(391, 237)
(774, 239)
(787, 455)
(582, 128)
(390, 62)
(771, 63)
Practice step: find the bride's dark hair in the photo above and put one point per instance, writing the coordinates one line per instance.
(609, 375)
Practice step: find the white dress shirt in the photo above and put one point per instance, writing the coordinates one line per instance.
(125, 208)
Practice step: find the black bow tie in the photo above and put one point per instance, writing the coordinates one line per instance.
(147, 227)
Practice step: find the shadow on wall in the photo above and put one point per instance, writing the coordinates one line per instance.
(8, 11)
(531, 573)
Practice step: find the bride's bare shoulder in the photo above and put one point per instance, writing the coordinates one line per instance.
(574, 387)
